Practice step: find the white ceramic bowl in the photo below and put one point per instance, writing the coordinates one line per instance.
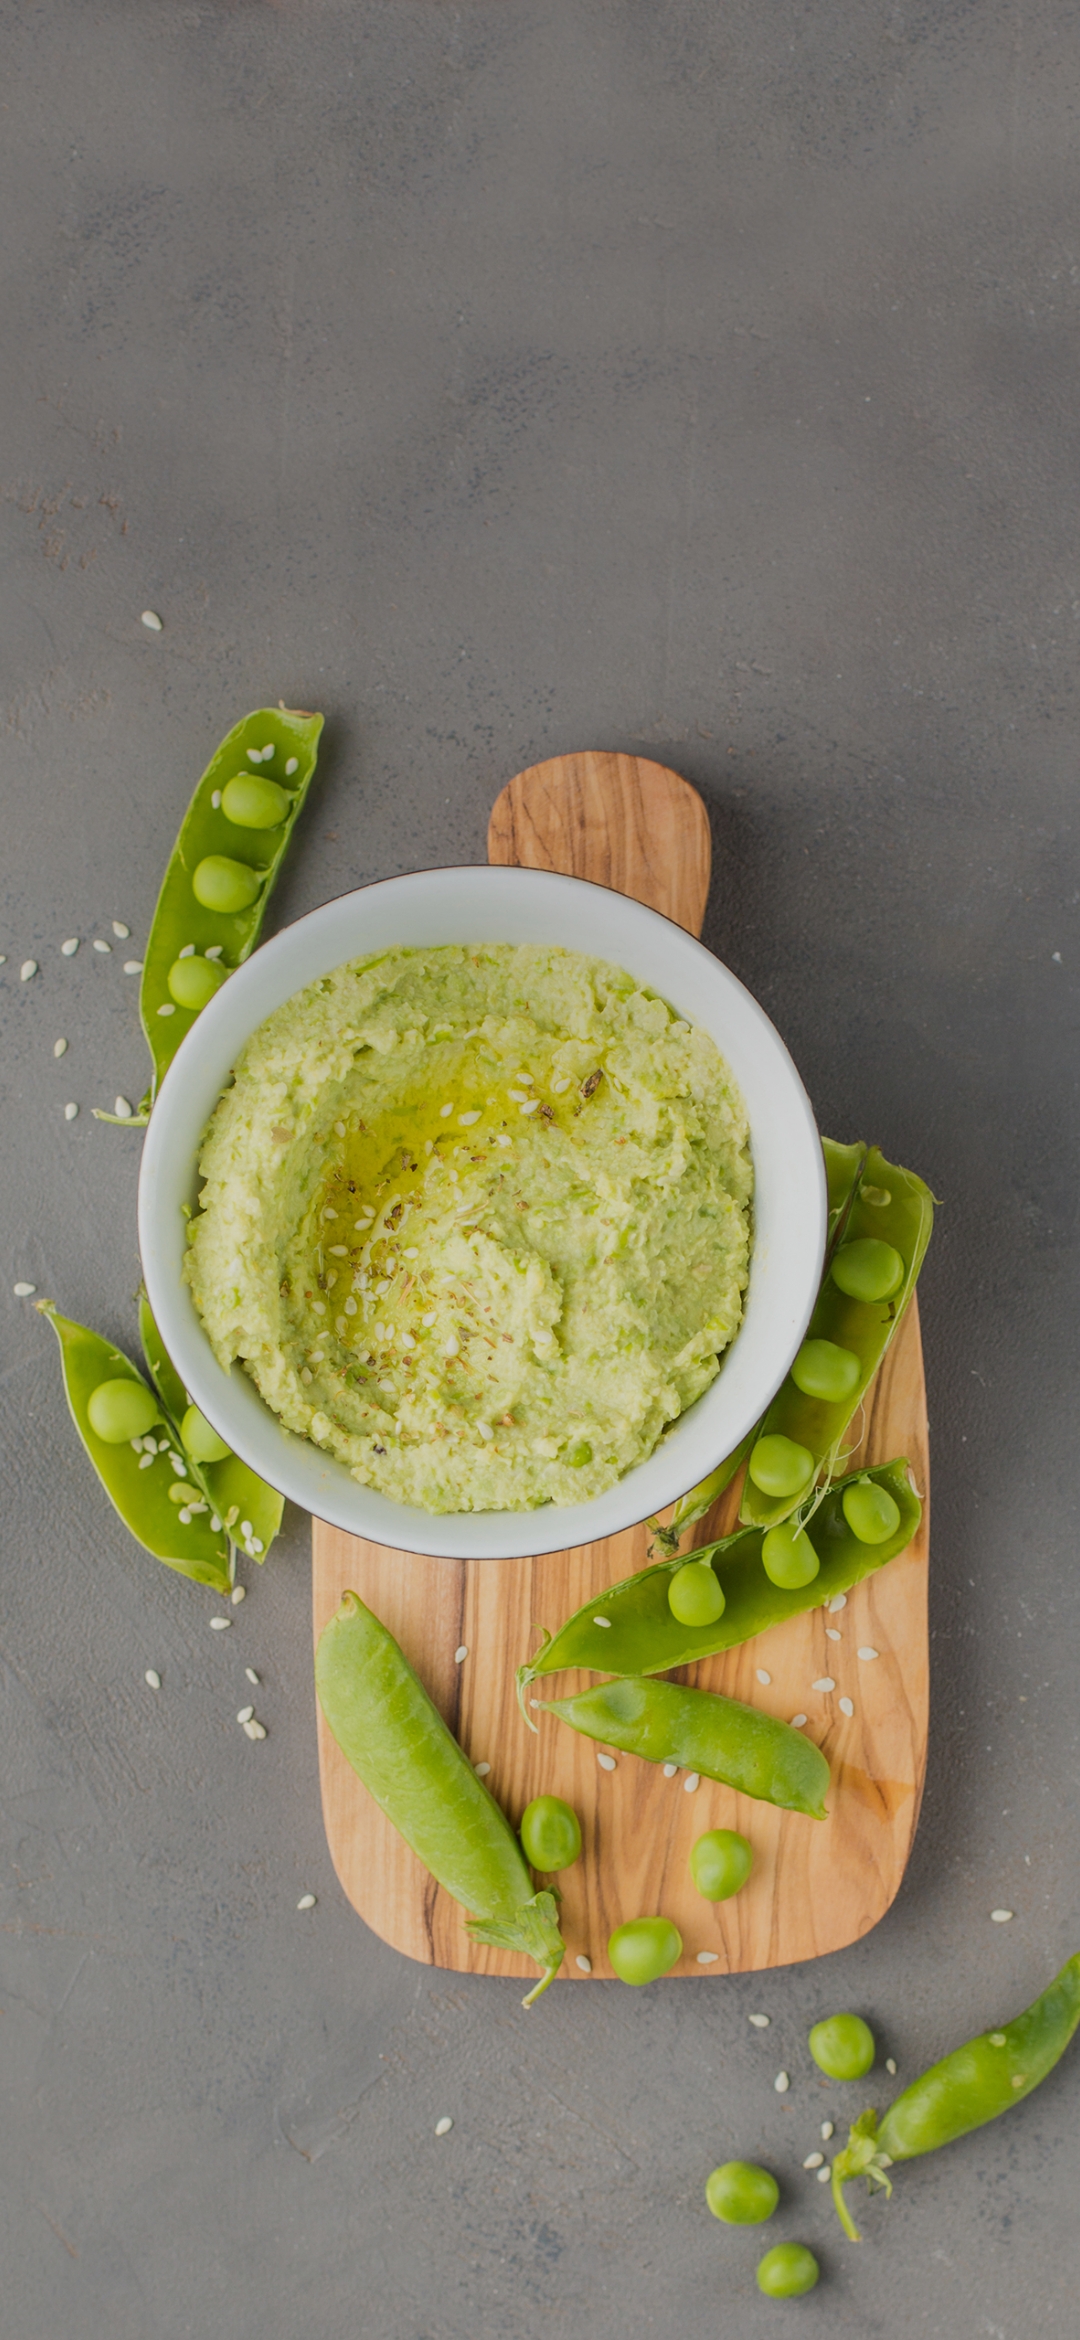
(520, 906)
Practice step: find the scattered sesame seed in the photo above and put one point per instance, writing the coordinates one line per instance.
(251, 1674)
(827, 2130)
(216, 800)
(763, 1677)
(59, 1048)
(485, 1429)
(481, 1770)
(797, 1721)
(604, 1621)
(133, 966)
(531, 1107)
(813, 2161)
(823, 2176)
(254, 1545)
(429, 1319)
(838, 1601)
(461, 1653)
(152, 1678)
(184, 1516)
(219, 1624)
(866, 1653)
(890, 2066)
(559, 1088)
(69, 948)
(444, 1112)
(245, 1714)
(122, 932)
(292, 766)
(145, 1460)
(502, 1140)
(707, 1957)
(760, 2022)
(121, 1108)
(670, 1770)
(1000, 1917)
(28, 968)
(24, 1291)
(517, 1096)
(213, 950)
(246, 1528)
(781, 2083)
(691, 1783)
(824, 1682)
(254, 755)
(188, 951)
(466, 1120)
(584, 1963)
(847, 1708)
(443, 2127)
(238, 1594)
(168, 1009)
(151, 621)
(306, 1901)
(452, 1346)
(255, 1730)
(306, 1376)
(832, 1633)
(606, 1762)
(102, 946)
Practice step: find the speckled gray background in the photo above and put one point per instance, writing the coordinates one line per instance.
(510, 378)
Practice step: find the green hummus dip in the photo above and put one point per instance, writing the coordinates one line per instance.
(477, 1221)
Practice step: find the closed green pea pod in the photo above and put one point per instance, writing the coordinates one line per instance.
(719, 1738)
(192, 982)
(252, 803)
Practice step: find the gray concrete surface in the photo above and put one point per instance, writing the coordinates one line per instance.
(508, 378)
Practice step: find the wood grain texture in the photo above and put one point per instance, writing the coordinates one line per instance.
(816, 1885)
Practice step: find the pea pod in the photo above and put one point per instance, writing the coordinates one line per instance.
(697, 1729)
(221, 874)
(843, 1170)
(891, 1216)
(637, 1633)
(394, 1737)
(137, 1488)
(250, 1509)
(971, 2086)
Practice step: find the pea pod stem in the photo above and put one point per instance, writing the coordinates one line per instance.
(973, 2085)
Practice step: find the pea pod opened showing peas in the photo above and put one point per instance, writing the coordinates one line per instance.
(971, 2086)
(394, 1737)
(221, 874)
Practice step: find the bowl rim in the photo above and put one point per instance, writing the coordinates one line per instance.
(201, 1071)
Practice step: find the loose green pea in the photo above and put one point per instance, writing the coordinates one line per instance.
(550, 1834)
(842, 2047)
(720, 1863)
(779, 1466)
(695, 1595)
(193, 981)
(221, 884)
(254, 804)
(870, 1511)
(644, 1949)
(742, 2193)
(868, 1269)
(787, 2271)
(118, 1410)
(824, 1370)
(788, 1556)
(579, 1454)
(200, 1439)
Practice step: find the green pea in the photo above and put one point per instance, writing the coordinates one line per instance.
(695, 1595)
(254, 804)
(868, 1269)
(550, 1834)
(788, 1557)
(194, 980)
(720, 1863)
(742, 2193)
(779, 1466)
(787, 2271)
(644, 1948)
(870, 1511)
(842, 2047)
(118, 1410)
(200, 1439)
(579, 1454)
(823, 1370)
(221, 884)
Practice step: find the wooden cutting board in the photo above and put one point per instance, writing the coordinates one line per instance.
(816, 1886)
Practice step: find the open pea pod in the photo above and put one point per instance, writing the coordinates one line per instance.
(630, 1628)
(137, 1483)
(882, 1243)
(248, 1508)
(221, 874)
(843, 1170)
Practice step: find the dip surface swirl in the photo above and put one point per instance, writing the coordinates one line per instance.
(476, 1221)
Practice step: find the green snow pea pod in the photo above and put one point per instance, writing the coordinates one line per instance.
(221, 874)
(249, 1509)
(638, 1633)
(971, 2086)
(700, 1731)
(890, 1206)
(843, 1170)
(397, 1742)
(139, 1483)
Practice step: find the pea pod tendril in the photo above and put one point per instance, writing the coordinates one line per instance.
(967, 2088)
(220, 876)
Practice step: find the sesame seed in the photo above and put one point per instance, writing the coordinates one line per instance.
(466, 1120)
(69, 948)
(145, 1460)
(254, 755)
(338, 1250)
(444, 1112)
(996, 2038)
(606, 1762)
(306, 1901)
(813, 2161)
(254, 1545)
(444, 2126)
(846, 1707)
(604, 1621)
(268, 752)
(823, 2176)
(518, 1096)
(461, 1653)
(328, 1213)
(535, 1702)
(890, 2066)
(245, 1714)
(707, 1957)
(28, 968)
(184, 1516)
(781, 2083)
(251, 1674)
(763, 1677)
(216, 800)
(866, 1653)
(502, 1140)
(481, 1770)
(151, 621)
(255, 1730)
(213, 950)
(102, 946)
(339, 1129)
(152, 1678)
(838, 1601)
(832, 1633)
(408, 1342)
(121, 1108)
(797, 1721)
(429, 1319)
(531, 1107)
(1000, 1917)
(133, 966)
(670, 1770)
(350, 1306)
(827, 2130)
(559, 1088)
(168, 1009)
(238, 1594)
(760, 2022)
(220, 1624)
(292, 766)
(122, 932)
(59, 1048)
(452, 1346)
(691, 1782)
(584, 1963)
(825, 1682)
(306, 1376)
(24, 1291)
(246, 1528)
(188, 951)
